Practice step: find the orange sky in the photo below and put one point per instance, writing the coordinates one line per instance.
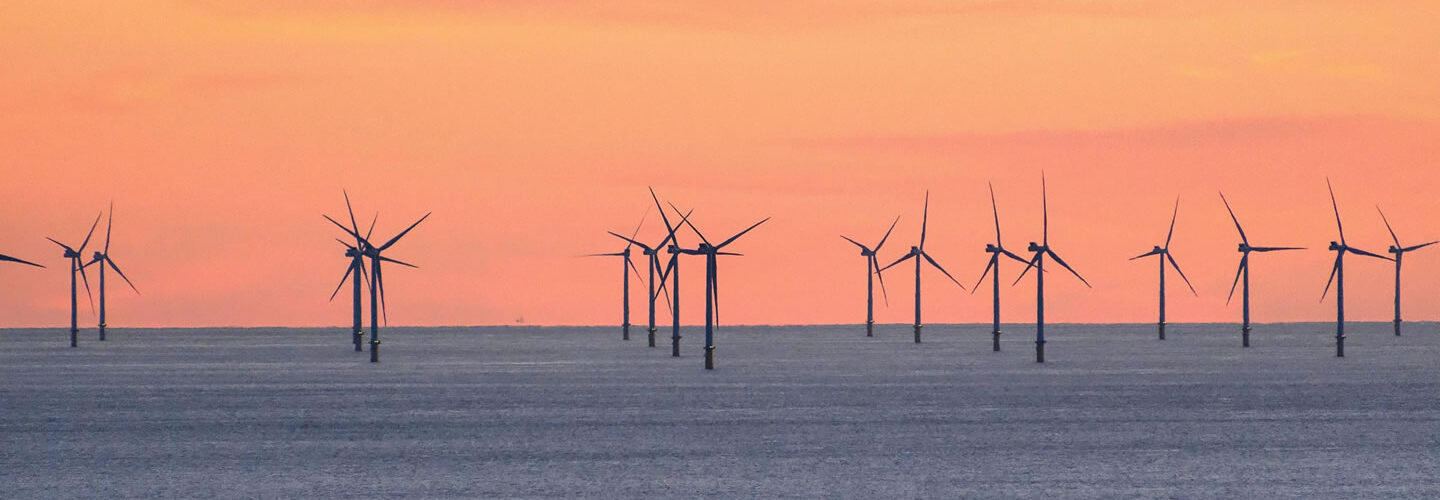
(223, 129)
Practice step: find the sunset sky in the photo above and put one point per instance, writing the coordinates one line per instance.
(222, 130)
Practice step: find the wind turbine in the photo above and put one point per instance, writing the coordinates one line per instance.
(1165, 256)
(672, 246)
(995, 250)
(1244, 271)
(626, 266)
(103, 259)
(652, 255)
(1038, 262)
(77, 267)
(377, 282)
(1399, 251)
(712, 284)
(872, 264)
(917, 253)
(356, 254)
(1337, 275)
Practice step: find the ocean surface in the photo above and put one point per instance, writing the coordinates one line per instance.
(812, 411)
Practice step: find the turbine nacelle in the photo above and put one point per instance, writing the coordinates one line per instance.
(1244, 248)
(71, 254)
(98, 256)
(989, 248)
(353, 252)
(1158, 249)
(1336, 246)
(1037, 248)
(1393, 250)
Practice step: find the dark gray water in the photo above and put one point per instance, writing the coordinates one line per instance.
(791, 411)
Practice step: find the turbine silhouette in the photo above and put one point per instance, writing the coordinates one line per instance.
(1244, 272)
(712, 282)
(671, 272)
(872, 266)
(1038, 262)
(626, 265)
(377, 281)
(102, 258)
(995, 250)
(76, 266)
(1166, 257)
(652, 256)
(1337, 274)
(918, 253)
(1399, 251)
(356, 254)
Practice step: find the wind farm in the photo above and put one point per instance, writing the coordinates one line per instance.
(510, 155)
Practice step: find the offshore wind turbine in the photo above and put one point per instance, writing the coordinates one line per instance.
(1337, 274)
(77, 267)
(995, 250)
(1399, 251)
(377, 282)
(626, 265)
(712, 283)
(918, 252)
(652, 256)
(103, 259)
(671, 272)
(1167, 257)
(1038, 262)
(872, 266)
(356, 254)
(1244, 271)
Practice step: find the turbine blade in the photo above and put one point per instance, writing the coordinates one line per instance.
(1028, 265)
(1173, 216)
(937, 266)
(1233, 218)
(685, 219)
(380, 285)
(1396, 239)
(741, 233)
(1358, 251)
(343, 228)
(631, 241)
(91, 233)
(1144, 255)
(862, 247)
(1176, 265)
(631, 264)
(108, 222)
(661, 209)
(730, 253)
(663, 290)
(925, 219)
(372, 229)
(880, 275)
(637, 227)
(1274, 249)
(387, 259)
(1013, 256)
(110, 261)
(7, 258)
(1333, 270)
(1067, 267)
(87, 280)
(1238, 270)
(887, 234)
(616, 254)
(691, 224)
(902, 259)
(1422, 245)
(350, 210)
(402, 233)
(994, 209)
(1336, 206)
(62, 245)
(988, 264)
(370, 286)
(348, 269)
(1045, 212)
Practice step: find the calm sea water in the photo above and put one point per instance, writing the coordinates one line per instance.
(790, 411)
